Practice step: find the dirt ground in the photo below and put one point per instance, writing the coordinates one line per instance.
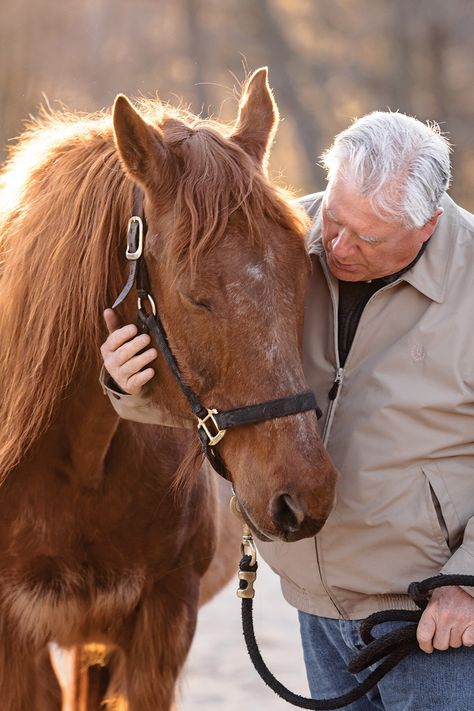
(219, 675)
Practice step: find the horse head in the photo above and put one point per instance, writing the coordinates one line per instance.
(229, 269)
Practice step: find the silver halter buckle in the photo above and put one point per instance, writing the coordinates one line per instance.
(131, 254)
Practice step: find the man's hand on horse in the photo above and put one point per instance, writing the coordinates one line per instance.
(448, 620)
(122, 357)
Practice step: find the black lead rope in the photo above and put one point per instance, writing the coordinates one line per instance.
(391, 648)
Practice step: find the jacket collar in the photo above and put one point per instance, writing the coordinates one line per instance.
(430, 273)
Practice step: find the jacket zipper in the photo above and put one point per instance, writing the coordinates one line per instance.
(334, 391)
(332, 397)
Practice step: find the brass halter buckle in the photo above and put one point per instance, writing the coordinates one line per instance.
(131, 254)
(149, 298)
(217, 434)
(247, 547)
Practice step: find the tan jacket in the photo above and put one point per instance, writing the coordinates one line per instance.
(400, 432)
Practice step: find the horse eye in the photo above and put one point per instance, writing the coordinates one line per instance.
(199, 303)
(202, 305)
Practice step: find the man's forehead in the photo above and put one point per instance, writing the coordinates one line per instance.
(346, 205)
(342, 199)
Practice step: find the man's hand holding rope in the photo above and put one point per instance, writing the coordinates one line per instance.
(447, 621)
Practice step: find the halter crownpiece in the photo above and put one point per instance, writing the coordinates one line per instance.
(212, 425)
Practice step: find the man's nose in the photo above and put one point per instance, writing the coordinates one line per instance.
(343, 244)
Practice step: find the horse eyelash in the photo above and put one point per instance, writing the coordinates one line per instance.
(200, 304)
(203, 305)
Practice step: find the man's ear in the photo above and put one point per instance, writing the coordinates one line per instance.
(430, 226)
(140, 145)
(258, 117)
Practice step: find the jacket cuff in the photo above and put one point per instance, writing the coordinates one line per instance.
(462, 563)
(110, 387)
(140, 408)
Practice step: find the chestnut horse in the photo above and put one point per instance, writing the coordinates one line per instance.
(98, 544)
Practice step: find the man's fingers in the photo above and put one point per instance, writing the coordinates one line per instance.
(425, 632)
(441, 636)
(137, 381)
(119, 337)
(455, 638)
(124, 355)
(447, 620)
(134, 365)
(468, 636)
(112, 321)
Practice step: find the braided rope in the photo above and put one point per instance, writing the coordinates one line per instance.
(391, 647)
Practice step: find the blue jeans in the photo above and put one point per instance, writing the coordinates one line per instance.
(441, 681)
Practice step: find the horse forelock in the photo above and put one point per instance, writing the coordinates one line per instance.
(216, 179)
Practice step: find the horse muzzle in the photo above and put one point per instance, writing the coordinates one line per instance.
(287, 520)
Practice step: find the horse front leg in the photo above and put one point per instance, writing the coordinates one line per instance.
(48, 695)
(17, 671)
(159, 643)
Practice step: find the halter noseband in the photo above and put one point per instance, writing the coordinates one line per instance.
(211, 424)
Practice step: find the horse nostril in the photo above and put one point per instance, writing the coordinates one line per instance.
(286, 513)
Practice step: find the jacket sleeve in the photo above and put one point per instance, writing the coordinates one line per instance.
(462, 560)
(139, 408)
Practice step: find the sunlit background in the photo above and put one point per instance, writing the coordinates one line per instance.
(329, 60)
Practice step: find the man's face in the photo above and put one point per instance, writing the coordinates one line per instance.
(361, 246)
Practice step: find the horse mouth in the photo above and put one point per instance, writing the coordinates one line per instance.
(307, 529)
(240, 511)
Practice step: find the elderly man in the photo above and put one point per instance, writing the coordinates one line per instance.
(389, 352)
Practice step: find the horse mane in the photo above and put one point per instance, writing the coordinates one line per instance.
(65, 201)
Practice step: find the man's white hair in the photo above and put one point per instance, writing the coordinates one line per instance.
(401, 164)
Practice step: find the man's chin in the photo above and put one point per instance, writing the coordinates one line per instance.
(349, 273)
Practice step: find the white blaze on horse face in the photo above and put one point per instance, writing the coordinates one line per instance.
(255, 272)
(304, 434)
(271, 336)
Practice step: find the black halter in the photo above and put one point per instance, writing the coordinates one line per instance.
(211, 424)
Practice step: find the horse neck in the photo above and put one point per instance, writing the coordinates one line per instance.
(85, 425)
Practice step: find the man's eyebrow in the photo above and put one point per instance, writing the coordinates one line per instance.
(371, 238)
(331, 214)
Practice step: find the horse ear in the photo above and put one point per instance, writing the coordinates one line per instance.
(258, 117)
(139, 144)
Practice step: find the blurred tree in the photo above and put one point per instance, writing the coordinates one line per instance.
(329, 60)
(197, 41)
(281, 57)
